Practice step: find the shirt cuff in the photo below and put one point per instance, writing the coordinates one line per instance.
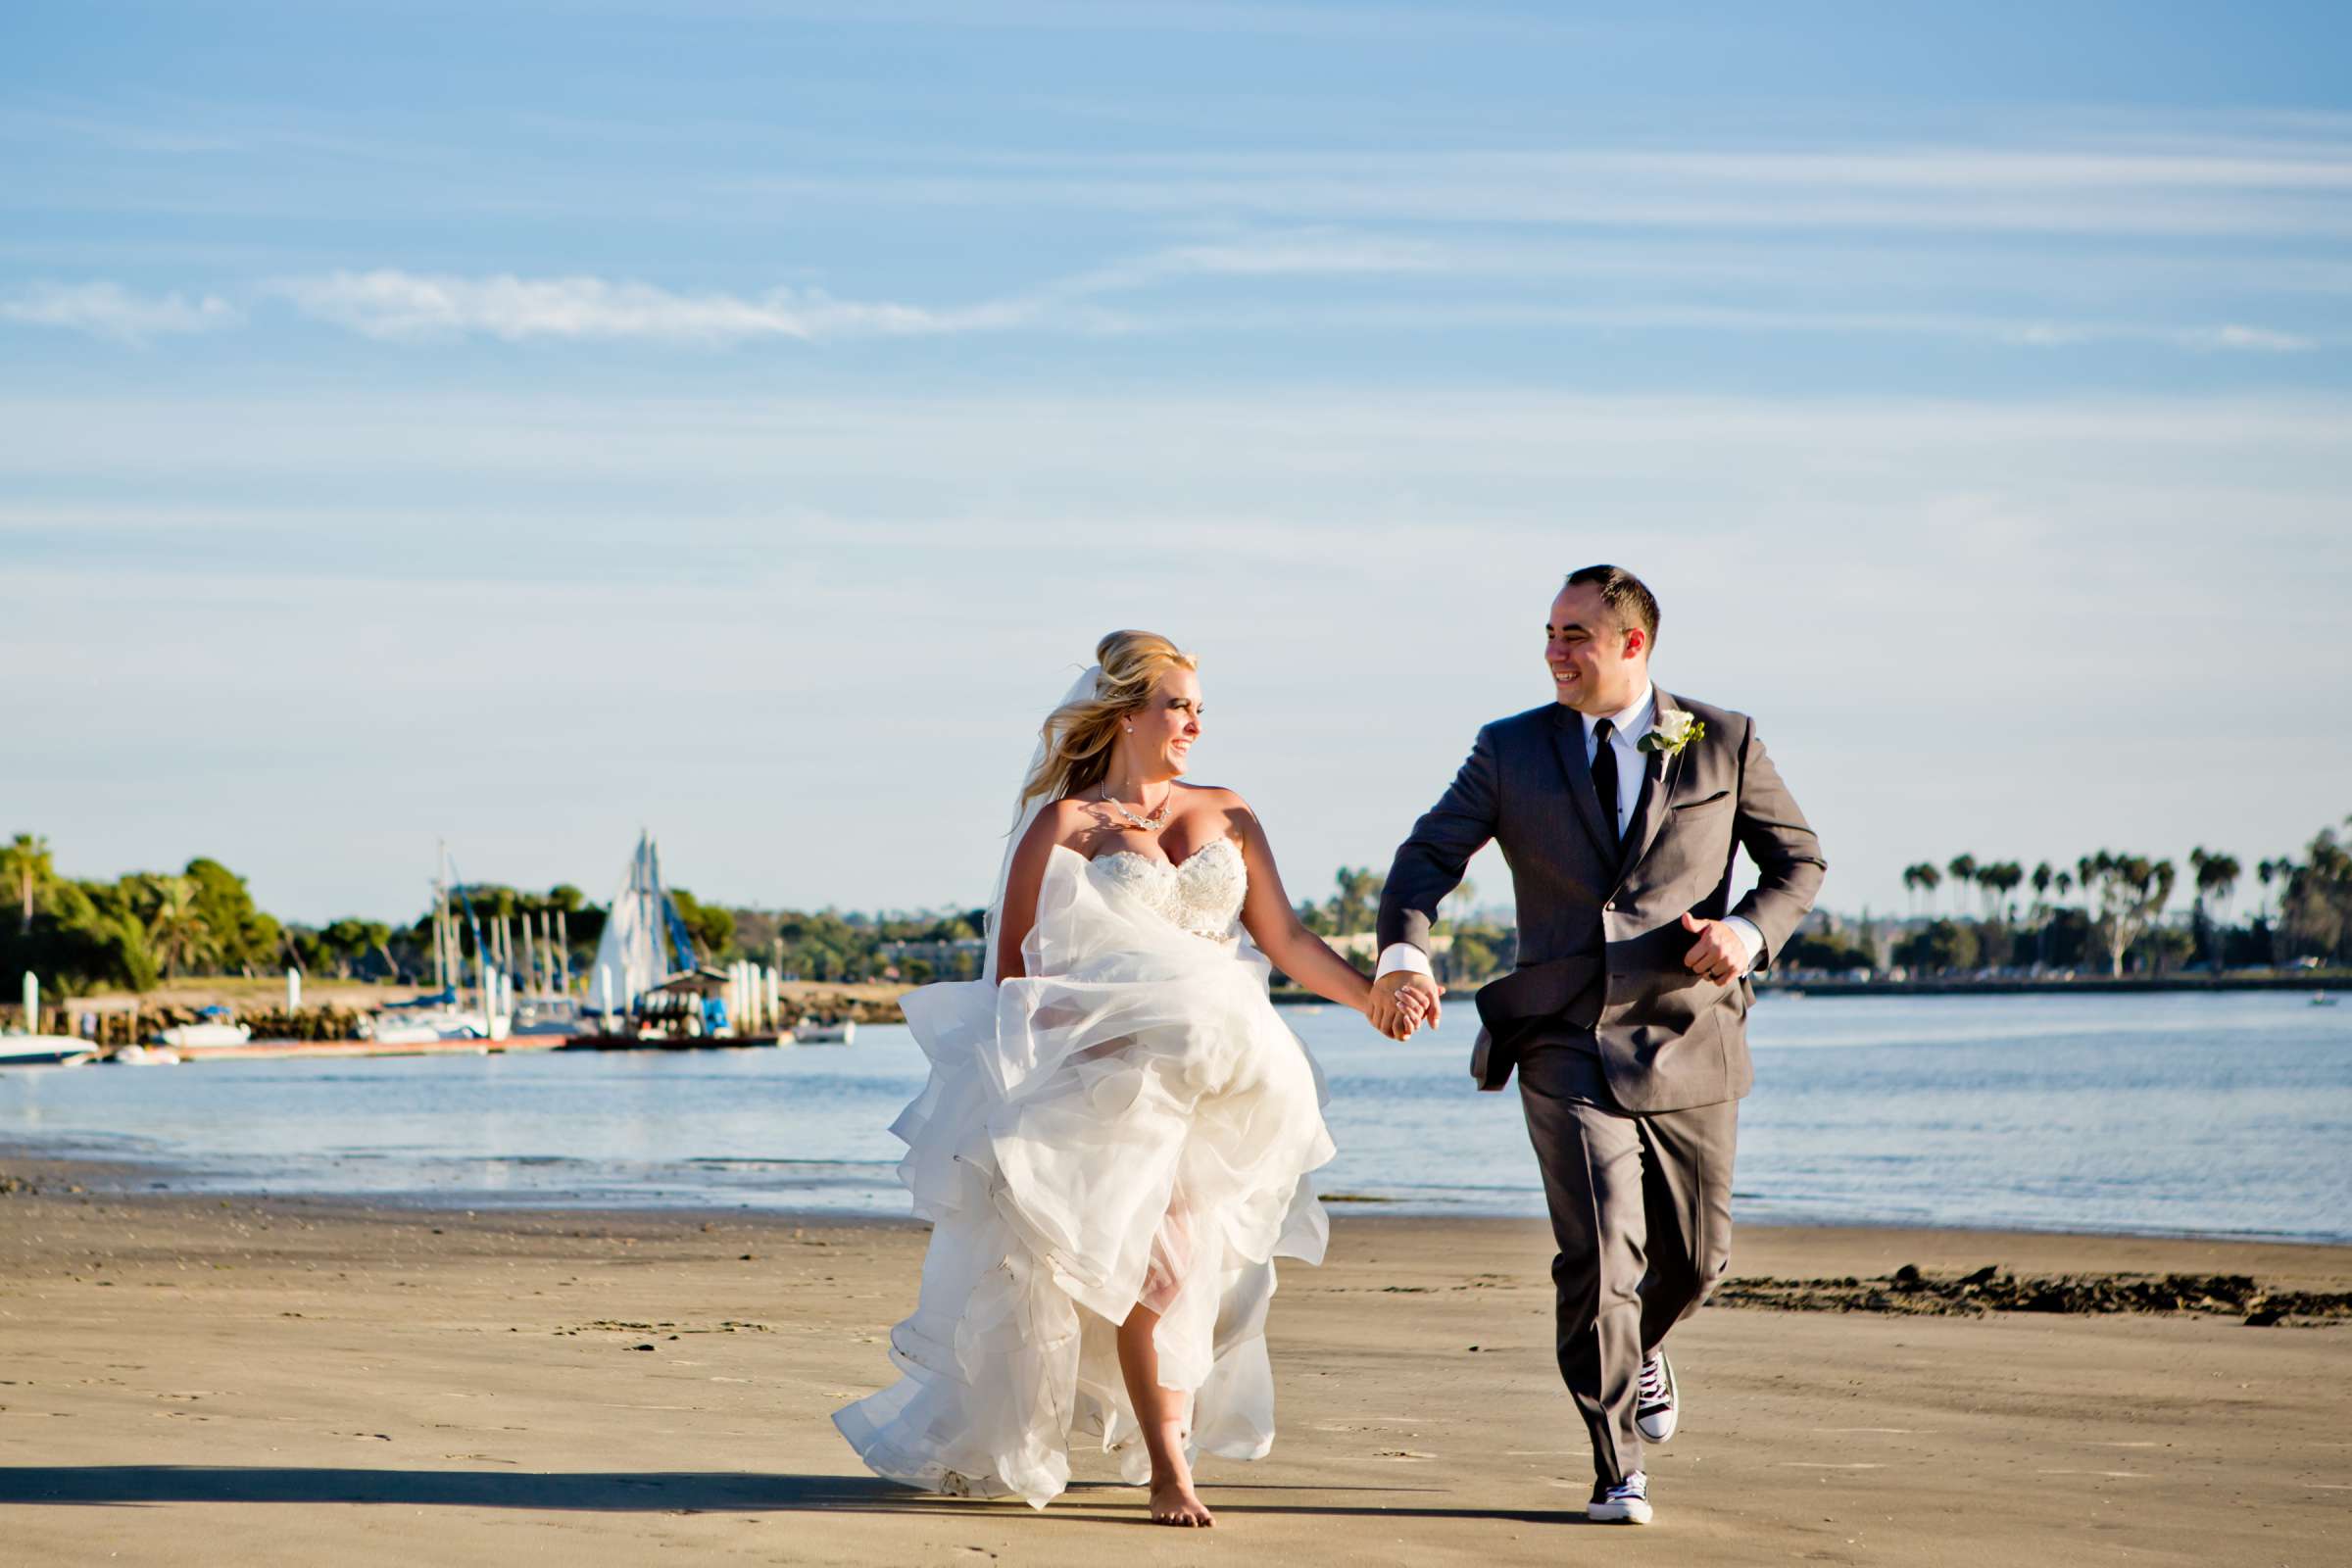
(1749, 935)
(1404, 956)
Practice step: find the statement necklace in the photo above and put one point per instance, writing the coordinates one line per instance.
(1146, 823)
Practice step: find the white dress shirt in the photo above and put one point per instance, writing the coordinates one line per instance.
(1626, 726)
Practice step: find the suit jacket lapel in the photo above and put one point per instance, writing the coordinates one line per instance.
(1568, 738)
(1659, 775)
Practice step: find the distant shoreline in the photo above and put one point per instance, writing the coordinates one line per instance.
(1957, 986)
(2328, 980)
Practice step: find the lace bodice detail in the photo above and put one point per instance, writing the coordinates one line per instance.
(1203, 894)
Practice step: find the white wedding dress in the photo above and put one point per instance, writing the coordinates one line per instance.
(1128, 1122)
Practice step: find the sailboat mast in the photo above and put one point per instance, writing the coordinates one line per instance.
(446, 929)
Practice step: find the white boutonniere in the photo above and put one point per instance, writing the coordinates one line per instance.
(1674, 730)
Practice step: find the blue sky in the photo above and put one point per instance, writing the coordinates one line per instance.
(518, 423)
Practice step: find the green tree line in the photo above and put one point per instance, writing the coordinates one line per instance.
(2108, 912)
(145, 927)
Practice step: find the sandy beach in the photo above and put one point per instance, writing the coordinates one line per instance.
(192, 1380)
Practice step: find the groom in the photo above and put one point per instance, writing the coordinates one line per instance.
(1619, 808)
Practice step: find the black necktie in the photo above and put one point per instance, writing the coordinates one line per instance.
(1604, 784)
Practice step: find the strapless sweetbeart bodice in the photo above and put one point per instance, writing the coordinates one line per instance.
(1203, 894)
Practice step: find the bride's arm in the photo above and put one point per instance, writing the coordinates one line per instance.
(1022, 881)
(1272, 924)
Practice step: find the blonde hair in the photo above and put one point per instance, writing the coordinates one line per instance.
(1078, 735)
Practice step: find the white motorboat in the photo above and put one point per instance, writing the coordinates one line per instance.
(420, 1026)
(44, 1051)
(814, 1032)
(135, 1055)
(213, 1027)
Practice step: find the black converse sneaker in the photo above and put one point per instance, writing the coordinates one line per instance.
(1625, 1503)
(1655, 1406)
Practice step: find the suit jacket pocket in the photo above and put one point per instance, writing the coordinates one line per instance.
(1537, 990)
(1685, 810)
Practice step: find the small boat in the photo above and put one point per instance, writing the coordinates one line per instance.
(137, 1055)
(546, 1015)
(44, 1051)
(421, 1026)
(688, 1011)
(213, 1026)
(818, 1032)
(2320, 998)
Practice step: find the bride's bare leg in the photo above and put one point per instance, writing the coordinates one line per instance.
(1160, 1412)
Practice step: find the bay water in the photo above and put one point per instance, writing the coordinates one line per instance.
(2171, 1113)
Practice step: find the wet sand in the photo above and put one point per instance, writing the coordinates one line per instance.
(291, 1381)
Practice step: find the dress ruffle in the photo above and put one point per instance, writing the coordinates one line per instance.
(1129, 1122)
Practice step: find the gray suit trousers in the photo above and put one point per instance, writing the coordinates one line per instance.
(1642, 1214)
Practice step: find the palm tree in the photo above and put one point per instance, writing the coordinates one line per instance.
(1998, 881)
(2216, 878)
(26, 863)
(2043, 878)
(176, 930)
(1963, 869)
(1922, 878)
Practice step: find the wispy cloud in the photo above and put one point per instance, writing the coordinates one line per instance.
(2250, 337)
(395, 305)
(1341, 255)
(111, 311)
(2282, 187)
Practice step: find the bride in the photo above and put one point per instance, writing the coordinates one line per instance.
(1113, 1144)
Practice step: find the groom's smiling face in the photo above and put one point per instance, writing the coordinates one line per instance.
(1598, 667)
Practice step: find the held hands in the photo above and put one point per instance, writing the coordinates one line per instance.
(1718, 954)
(1402, 1002)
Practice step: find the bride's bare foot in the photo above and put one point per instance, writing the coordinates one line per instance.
(1174, 1502)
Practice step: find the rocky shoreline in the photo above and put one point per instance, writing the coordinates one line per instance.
(1911, 1290)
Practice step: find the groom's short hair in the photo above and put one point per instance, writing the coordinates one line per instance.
(1629, 599)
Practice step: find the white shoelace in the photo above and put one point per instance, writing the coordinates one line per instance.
(1636, 1485)
(1653, 1380)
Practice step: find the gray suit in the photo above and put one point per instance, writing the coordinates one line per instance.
(1630, 1065)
